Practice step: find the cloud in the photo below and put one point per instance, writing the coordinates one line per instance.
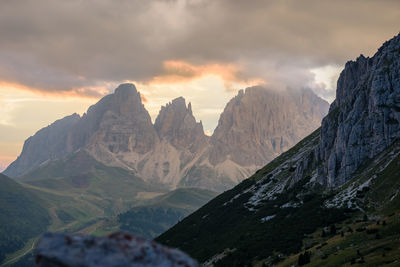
(176, 72)
(55, 45)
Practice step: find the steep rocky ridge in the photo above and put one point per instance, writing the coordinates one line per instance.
(177, 125)
(365, 118)
(349, 168)
(48, 143)
(257, 125)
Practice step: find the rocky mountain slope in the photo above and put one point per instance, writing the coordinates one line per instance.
(257, 125)
(345, 174)
(365, 118)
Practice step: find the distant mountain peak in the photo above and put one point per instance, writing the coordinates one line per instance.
(179, 101)
(127, 93)
(125, 88)
(176, 123)
(260, 123)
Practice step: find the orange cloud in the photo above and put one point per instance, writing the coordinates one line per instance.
(176, 71)
(144, 99)
(92, 92)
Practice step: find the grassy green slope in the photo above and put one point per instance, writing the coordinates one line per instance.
(80, 176)
(76, 193)
(159, 214)
(22, 216)
(276, 231)
(371, 237)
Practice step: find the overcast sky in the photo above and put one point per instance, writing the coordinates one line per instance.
(58, 57)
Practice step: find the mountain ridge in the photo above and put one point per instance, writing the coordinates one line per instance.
(174, 151)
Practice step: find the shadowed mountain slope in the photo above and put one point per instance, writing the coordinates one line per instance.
(343, 177)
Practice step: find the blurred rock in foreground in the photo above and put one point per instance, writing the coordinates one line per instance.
(119, 249)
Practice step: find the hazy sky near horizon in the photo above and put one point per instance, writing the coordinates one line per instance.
(59, 57)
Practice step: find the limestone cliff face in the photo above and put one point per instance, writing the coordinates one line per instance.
(117, 130)
(119, 123)
(256, 126)
(181, 142)
(259, 124)
(176, 124)
(365, 118)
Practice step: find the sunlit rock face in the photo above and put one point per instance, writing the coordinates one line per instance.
(176, 124)
(118, 123)
(365, 117)
(259, 124)
(119, 249)
(256, 126)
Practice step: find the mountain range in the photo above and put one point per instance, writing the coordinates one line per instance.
(114, 169)
(331, 200)
(256, 126)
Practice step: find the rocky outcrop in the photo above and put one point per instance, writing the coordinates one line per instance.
(365, 117)
(119, 249)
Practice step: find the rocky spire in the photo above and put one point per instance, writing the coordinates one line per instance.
(176, 123)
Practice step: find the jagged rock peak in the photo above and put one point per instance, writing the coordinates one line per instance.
(190, 109)
(126, 88)
(125, 100)
(179, 102)
(176, 123)
(365, 117)
(127, 93)
(179, 105)
(174, 111)
(119, 122)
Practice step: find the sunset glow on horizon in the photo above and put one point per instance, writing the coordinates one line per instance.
(43, 107)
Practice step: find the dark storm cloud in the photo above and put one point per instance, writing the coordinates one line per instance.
(61, 45)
